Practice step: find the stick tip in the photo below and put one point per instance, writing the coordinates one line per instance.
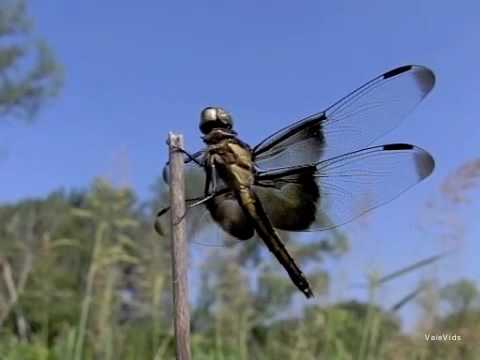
(175, 139)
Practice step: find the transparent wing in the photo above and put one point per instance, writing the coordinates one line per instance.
(352, 123)
(336, 191)
(195, 175)
(201, 228)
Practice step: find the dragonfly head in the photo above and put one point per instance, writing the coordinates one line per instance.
(215, 118)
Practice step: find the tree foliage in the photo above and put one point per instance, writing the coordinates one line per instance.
(29, 73)
(84, 276)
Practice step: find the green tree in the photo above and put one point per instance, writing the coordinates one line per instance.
(462, 319)
(460, 296)
(29, 73)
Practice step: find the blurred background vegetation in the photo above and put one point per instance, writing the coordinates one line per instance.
(84, 276)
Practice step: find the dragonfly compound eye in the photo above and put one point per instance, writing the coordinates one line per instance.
(214, 117)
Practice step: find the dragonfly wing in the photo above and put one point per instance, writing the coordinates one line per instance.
(336, 191)
(352, 123)
(195, 175)
(202, 229)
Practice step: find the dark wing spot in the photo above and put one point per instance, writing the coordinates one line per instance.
(396, 147)
(423, 161)
(396, 71)
(290, 200)
(308, 128)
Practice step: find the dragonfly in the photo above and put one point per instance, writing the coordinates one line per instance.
(315, 174)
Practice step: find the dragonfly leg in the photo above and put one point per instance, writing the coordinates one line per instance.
(158, 225)
(188, 155)
(163, 211)
(196, 201)
(199, 202)
(204, 200)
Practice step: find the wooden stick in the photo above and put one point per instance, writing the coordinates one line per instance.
(179, 249)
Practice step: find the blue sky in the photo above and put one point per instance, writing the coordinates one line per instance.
(135, 71)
